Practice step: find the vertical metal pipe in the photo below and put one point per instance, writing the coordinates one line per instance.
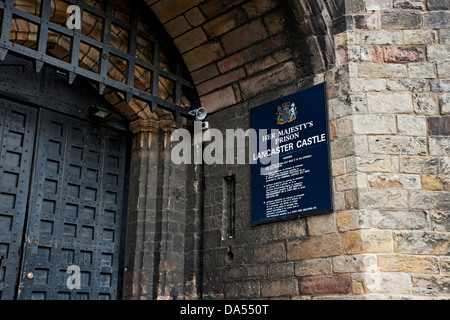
(198, 221)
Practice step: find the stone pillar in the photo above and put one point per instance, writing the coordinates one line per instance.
(156, 228)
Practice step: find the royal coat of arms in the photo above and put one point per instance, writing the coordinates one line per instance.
(286, 113)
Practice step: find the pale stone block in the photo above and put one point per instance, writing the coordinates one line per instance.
(412, 125)
(398, 145)
(422, 70)
(426, 104)
(354, 263)
(370, 163)
(383, 199)
(374, 124)
(394, 181)
(390, 102)
(400, 219)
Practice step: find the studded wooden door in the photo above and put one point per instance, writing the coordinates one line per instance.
(17, 132)
(71, 236)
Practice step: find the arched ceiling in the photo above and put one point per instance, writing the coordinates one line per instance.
(237, 49)
(234, 49)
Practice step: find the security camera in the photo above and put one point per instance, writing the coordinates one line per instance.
(199, 114)
(205, 125)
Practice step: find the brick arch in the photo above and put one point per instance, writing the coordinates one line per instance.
(26, 33)
(234, 50)
(238, 49)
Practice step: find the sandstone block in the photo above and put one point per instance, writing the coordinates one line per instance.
(367, 241)
(353, 219)
(315, 247)
(407, 263)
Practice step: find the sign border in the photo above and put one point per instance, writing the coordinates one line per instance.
(331, 189)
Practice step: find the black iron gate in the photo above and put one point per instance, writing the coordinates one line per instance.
(59, 239)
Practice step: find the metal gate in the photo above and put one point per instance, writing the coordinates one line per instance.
(61, 205)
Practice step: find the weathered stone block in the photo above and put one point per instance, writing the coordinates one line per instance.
(326, 285)
(422, 70)
(386, 102)
(412, 125)
(367, 241)
(395, 219)
(373, 163)
(315, 247)
(438, 53)
(443, 70)
(407, 4)
(399, 54)
(439, 146)
(438, 4)
(398, 145)
(377, 70)
(270, 253)
(422, 242)
(436, 19)
(353, 219)
(313, 267)
(407, 263)
(278, 288)
(440, 85)
(431, 285)
(414, 85)
(374, 124)
(401, 20)
(244, 36)
(440, 220)
(383, 199)
(354, 263)
(389, 37)
(430, 200)
(321, 224)
(425, 103)
(394, 181)
(439, 126)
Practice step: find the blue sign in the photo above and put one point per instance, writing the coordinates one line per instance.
(291, 171)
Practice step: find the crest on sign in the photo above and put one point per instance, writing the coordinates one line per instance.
(286, 113)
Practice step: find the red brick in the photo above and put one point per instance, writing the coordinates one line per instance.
(269, 80)
(326, 285)
(398, 54)
(244, 36)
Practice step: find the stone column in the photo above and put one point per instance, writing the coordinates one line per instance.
(156, 228)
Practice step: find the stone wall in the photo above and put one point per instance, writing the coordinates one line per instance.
(389, 235)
